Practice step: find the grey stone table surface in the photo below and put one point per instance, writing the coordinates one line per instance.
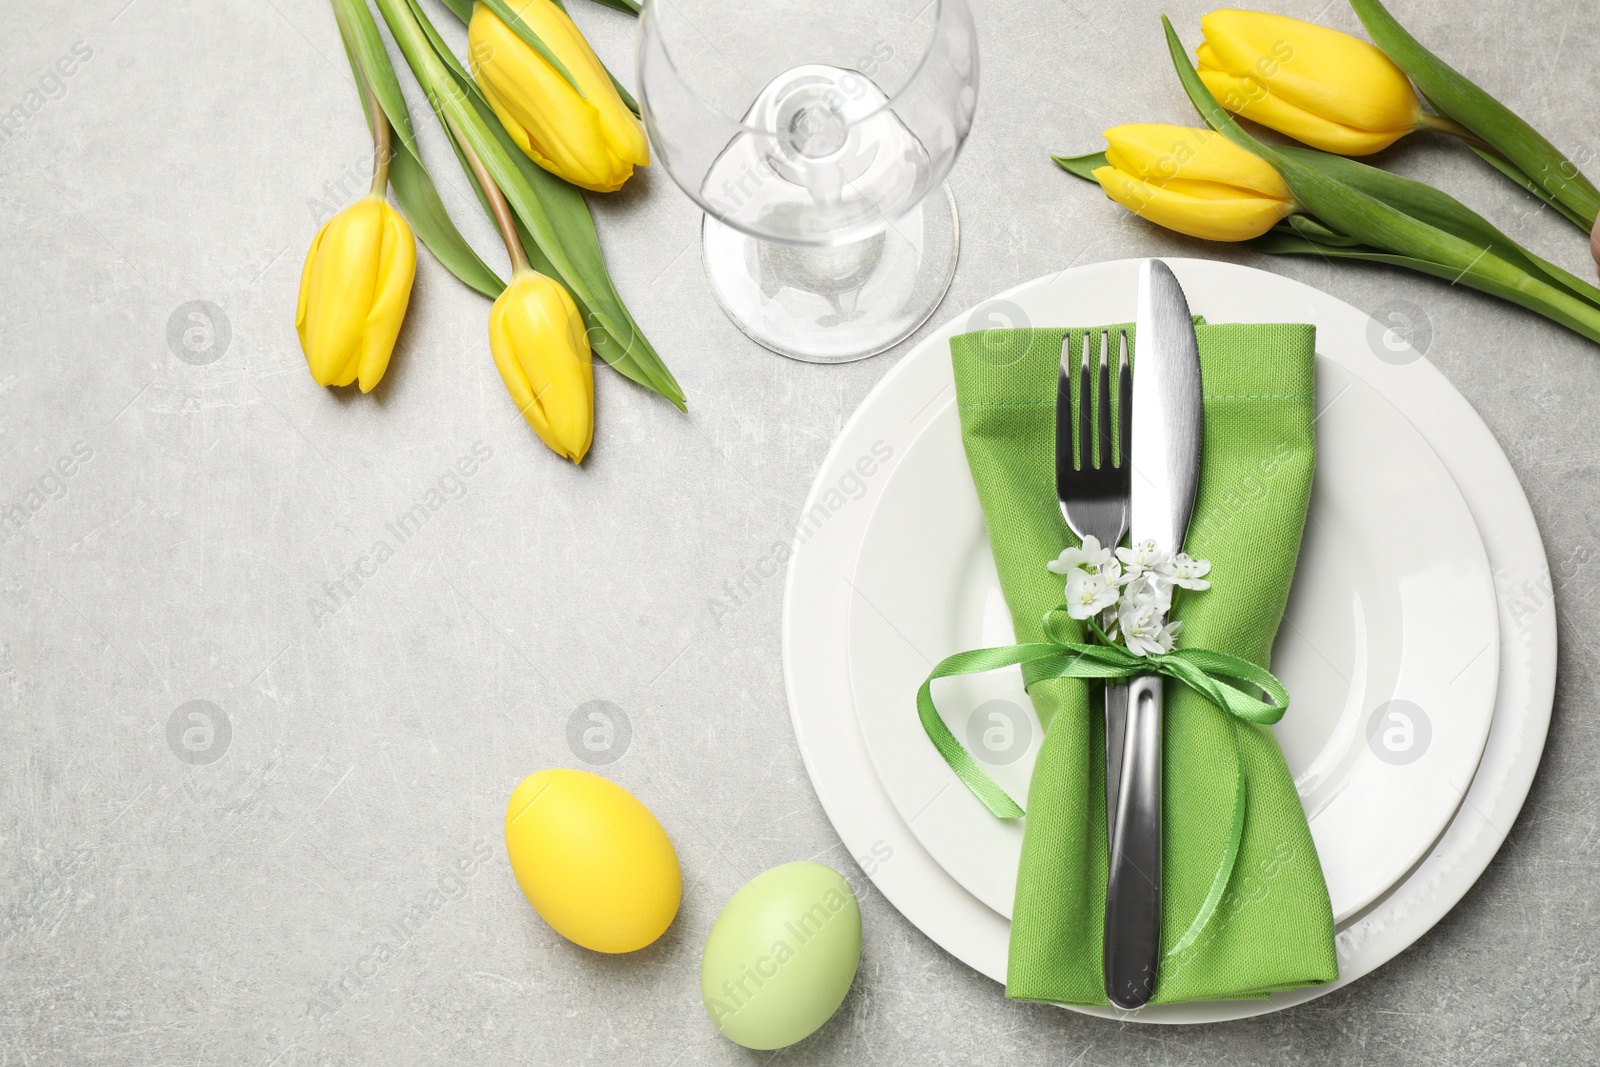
(317, 876)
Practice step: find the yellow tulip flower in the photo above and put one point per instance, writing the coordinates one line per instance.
(1325, 88)
(539, 344)
(1193, 181)
(592, 141)
(354, 289)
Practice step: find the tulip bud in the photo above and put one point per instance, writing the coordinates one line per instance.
(354, 289)
(1325, 88)
(538, 340)
(592, 141)
(1193, 181)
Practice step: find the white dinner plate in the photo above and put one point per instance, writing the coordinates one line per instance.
(854, 478)
(1387, 648)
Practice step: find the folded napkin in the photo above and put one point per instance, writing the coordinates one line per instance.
(1272, 928)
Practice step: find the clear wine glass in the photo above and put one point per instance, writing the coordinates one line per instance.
(811, 132)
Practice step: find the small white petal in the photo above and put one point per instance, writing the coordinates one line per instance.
(1089, 556)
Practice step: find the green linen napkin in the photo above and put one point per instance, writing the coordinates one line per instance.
(1273, 929)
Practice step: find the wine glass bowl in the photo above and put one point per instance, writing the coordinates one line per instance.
(817, 125)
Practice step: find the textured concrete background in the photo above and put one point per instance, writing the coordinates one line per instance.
(155, 909)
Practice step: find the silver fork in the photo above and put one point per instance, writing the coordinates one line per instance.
(1094, 486)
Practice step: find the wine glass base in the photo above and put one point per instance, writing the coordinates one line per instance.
(841, 303)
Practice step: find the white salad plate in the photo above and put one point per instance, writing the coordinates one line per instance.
(1399, 392)
(1387, 647)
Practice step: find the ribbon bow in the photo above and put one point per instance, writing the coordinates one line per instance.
(1228, 682)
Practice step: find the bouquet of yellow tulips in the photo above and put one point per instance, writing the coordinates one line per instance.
(1343, 97)
(537, 119)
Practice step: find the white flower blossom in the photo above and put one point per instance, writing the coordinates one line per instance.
(1167, 636)
(1190, 573)
(1144, 557)
(1147, 590)
(1145, 630)
(1089, 593)
(1089, 556)
(1135, 589)
(1140, 625)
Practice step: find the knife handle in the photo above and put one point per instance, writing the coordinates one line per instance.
(1116, 707)
(1133, 890)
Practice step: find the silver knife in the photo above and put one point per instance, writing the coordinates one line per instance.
(1166, 431)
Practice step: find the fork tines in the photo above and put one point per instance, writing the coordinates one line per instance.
(1093, 474)
(1095, 447)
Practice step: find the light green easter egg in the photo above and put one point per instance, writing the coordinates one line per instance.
(781, 956)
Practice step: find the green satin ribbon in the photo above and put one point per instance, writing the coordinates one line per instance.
(1217, 676)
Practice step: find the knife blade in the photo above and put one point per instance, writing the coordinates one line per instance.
(1166, 431)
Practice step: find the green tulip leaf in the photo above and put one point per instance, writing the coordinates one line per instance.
(461, 9)
(408, 177)
(1286, 240)
(1083, 166)
(428, 217)
(1510, 170)
(369, 62)
(1460, 99)
(1308, 227)
(1440, 209)
(627, 7)
(1283, 241)
(1278, 244)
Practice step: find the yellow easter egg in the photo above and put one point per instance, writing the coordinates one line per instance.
(592, 860)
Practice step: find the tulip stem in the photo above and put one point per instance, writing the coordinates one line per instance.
(1440, 124)
(498, 207)
(382, 147)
